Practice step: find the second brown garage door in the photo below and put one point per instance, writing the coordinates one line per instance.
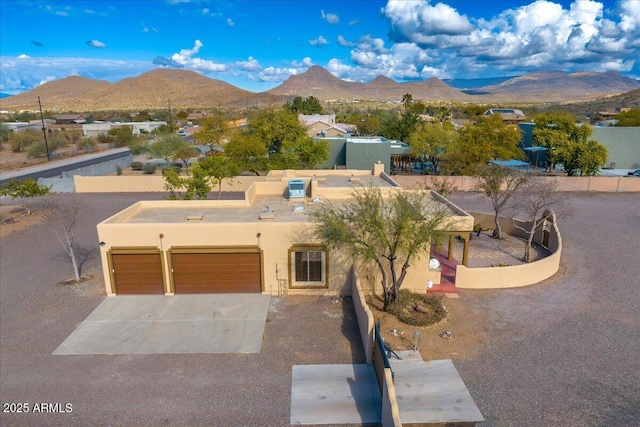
(203, 273)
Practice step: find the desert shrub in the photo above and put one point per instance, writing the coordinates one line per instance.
(38, 149)
(136, 166)
(118, 170)
(148, 168)
(418, 309)
(86, 144)
(104, 138)
(20, 141)
(173, 167)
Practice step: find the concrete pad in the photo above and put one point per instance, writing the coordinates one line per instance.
(432, 392)
(186, 307)
(234, 307)
(126, 307)
(167, 336)
(334, 394)
(230, 336)
(159, 324)
(102, 338)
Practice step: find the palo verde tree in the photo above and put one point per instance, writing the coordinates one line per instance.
(488, 139)
(500, 185)
(569, 144)
(213, 130)
(24, 189)
(392, 231)
(431, 141)
(166, 147)
(216, 169)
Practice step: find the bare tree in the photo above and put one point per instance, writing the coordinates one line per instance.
(537, 197)
(500, 184)
(61, 215)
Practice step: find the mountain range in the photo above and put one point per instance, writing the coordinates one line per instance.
(188, 89)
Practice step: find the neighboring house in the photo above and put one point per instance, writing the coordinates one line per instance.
(508, 115)
(612, 112)
(20, 126)
(359, 152)
(71, 118)
(92, 130)
(192, 117)
(261, 244)
(324, 125)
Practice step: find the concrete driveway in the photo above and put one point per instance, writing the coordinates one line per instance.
(158, 324)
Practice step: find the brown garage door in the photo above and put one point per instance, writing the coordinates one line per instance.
(203, 273)
(137, 273)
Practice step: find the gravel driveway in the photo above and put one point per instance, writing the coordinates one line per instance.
(565, 352)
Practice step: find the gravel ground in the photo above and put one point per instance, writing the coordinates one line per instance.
(560, 353)
(563, 352)
(36, 315)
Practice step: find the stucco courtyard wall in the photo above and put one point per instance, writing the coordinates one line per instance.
(565, 183)
(517, 275)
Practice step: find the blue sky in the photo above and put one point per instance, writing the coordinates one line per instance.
(258, 44)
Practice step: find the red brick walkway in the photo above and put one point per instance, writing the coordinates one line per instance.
(448, 278)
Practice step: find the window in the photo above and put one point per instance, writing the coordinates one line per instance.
(308, 267)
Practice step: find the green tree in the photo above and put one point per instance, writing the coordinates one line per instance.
(193, 186)
(73, 136)
(215, 170)
(184, 154)
(367, 124)
(308, 152)
(275, 128)
(569, 144)
(629, 118)
(431, 141)
(311, 105)
(295, 105)
(166, 147)
(124, 136)
(488, 139)
(391, 231)
(247, 151)
(213, 129)
(24, 189)
(500, 185)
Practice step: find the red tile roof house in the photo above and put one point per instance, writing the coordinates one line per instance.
(71, 118)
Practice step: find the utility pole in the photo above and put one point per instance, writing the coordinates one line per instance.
(170, 121)
(44, 131)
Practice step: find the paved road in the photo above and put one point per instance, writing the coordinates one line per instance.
(56, 167)
(565, 352)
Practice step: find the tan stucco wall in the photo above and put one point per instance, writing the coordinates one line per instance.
(565, 183)
(363, 314)
(517, 275)
(147, 183)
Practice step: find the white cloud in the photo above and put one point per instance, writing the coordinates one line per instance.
(331, 18)
(320, 41)
(251, 64)
(96, 43)
(344, 42)
(23, 56)
(185, 59)
(630, 15)
(230, 22)
(145, 29)
(205, 11)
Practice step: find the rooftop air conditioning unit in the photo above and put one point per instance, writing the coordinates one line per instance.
(296, 189)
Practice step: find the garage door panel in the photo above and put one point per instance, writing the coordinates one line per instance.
(138, 273)
(216, 272)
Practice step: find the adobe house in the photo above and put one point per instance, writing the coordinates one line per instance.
(261, 244)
